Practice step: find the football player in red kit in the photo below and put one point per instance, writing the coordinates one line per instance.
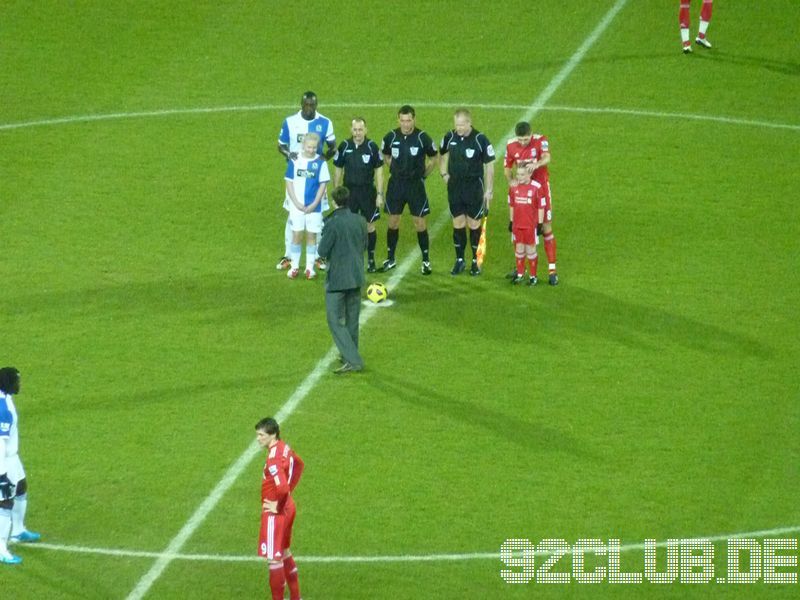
(526, 212)
(531, 152)
(684, 19)
(282, 471)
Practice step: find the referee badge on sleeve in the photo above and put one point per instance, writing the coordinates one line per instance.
(395, 152)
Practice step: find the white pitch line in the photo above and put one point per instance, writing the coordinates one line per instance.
(202, 511)
(397, 558)
(360, 105)
(163, 559)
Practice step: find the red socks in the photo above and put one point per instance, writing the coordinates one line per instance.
(705, 12)
(290, 572)
(533, 261)
(683, 14)
(550, 250)
(277, 581)
(520, 264)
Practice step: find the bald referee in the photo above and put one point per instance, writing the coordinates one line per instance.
(359, 162)
(467, 167)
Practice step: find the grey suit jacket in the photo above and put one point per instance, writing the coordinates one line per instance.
(344, 240)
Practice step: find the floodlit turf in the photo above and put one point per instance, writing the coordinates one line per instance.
(653, 394)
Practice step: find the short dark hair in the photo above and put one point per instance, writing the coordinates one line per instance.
(9, 380)
(270, 426)
(341, 195)
(308, 96)
(407, 109)
(522, 128)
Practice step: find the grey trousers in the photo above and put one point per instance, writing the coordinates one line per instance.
(342, 308)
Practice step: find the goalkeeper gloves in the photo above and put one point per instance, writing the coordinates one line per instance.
(511, 225)
(539, 229)
(6, 488)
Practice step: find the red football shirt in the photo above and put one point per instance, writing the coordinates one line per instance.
(282, 471)
(519, 155)
(526, 200)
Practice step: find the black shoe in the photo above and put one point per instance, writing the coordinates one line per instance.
(512, 273)
(553, 279)
(426, 267)
(388, 265)
(459, 267)
(533, 280)
(371, 267)
(474, 269)
(517, 278)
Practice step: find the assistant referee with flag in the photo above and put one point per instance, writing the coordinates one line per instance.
(467, 167)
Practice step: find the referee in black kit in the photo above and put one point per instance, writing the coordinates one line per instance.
(467, 167)
(361, 163)
(412, 157)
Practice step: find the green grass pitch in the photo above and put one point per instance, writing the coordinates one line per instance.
(650, 395)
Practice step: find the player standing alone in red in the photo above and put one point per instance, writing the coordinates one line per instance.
(526, 212)
(705, 19)
(282, 472)
(532, 152)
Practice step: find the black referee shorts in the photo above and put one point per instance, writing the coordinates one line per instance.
(465, 197)
(407, 191)
(362, 202)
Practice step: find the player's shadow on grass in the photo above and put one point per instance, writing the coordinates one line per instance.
(759, 62)
(208, 296)
(558, 314)
(537, 437)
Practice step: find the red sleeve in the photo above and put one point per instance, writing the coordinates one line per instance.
(296, 466)
(508, 160)
(274, 471)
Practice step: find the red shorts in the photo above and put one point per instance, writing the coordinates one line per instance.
(525, 236)
(275, 536)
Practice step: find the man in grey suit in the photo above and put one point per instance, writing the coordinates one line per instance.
(344, 239)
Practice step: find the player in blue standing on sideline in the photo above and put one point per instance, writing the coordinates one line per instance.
(13, 485)
(307, 177)
(290, 143)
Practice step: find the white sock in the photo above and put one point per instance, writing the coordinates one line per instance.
(684, 35)
(311, 255)
(702, 29)
(287, 236)
(294, 254)
(18, 514)
(5, 529)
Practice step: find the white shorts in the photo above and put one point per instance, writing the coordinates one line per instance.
(287, 203)
(311, 222)
(15, 470)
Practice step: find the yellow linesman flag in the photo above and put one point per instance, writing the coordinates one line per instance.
(482, 244)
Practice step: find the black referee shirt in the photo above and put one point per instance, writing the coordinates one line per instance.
(359, 162)
(408, 152)
(467, 154)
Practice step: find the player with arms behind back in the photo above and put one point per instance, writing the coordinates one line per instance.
(282, 471)
(307, 177)
(526, 212)
(532, 152)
